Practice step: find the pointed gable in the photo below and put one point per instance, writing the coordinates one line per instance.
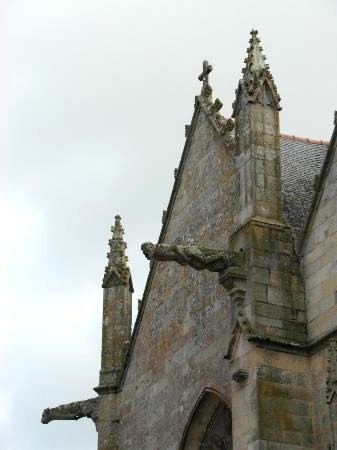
(183, 310)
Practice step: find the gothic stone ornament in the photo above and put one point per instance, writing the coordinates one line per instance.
(206, 91)
(117, 271)
(234, 281)
(72, 411)
(331, 381)
(257, 84)
(115, 276)
(216, 106)
(222, 125)
(197, 257)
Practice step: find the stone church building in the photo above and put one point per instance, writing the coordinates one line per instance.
(235, 342)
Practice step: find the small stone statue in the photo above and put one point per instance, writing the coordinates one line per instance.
(199, 258)
(72, 411)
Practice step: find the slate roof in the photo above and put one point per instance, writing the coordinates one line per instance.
(301, 164)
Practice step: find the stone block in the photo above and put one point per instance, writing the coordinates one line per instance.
(260, 292)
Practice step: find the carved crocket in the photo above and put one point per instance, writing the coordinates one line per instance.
(72, 411)
(199, 258)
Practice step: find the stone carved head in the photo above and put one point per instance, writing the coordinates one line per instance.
(45, 416)
(148, 250)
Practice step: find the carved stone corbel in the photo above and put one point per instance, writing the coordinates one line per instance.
(234, 280)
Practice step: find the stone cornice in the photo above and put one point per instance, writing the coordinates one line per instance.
(308, 349)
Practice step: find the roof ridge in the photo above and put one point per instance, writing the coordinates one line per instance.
(302, 139)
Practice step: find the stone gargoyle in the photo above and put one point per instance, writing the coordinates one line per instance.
(199, 258)
(72, 411)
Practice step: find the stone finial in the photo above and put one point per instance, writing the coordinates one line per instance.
(117, 230)
(255, 59)
(117, 263)
(257, 84)
(206, 91)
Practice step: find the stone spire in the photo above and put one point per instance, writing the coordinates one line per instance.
(117, 311)
(257, 138)
(117, 269)
(257, 84)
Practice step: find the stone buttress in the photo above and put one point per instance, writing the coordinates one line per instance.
(271, 388)
(275, 296)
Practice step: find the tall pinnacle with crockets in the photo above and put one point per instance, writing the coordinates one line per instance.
(257, 135)
(117, 304)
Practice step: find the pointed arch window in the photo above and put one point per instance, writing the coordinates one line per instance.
(210, 424)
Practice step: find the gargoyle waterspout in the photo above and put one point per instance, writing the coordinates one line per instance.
(200, 258)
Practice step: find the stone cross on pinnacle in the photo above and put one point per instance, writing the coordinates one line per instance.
(206, 70)
(206, 91)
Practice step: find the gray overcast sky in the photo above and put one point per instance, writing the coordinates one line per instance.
(95, 95)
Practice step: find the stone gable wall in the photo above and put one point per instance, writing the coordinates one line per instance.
(320, 274)
(187, 320)
(320, 261)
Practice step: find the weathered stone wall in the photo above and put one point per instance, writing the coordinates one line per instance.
(274, 302)
(320, 261)
(258, 160)
(321, 422)
(116, 330)
(285, 402)
(183, 334)
(273, 408)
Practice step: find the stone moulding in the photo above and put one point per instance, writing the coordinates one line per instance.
(331, 381)
(106, 389)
